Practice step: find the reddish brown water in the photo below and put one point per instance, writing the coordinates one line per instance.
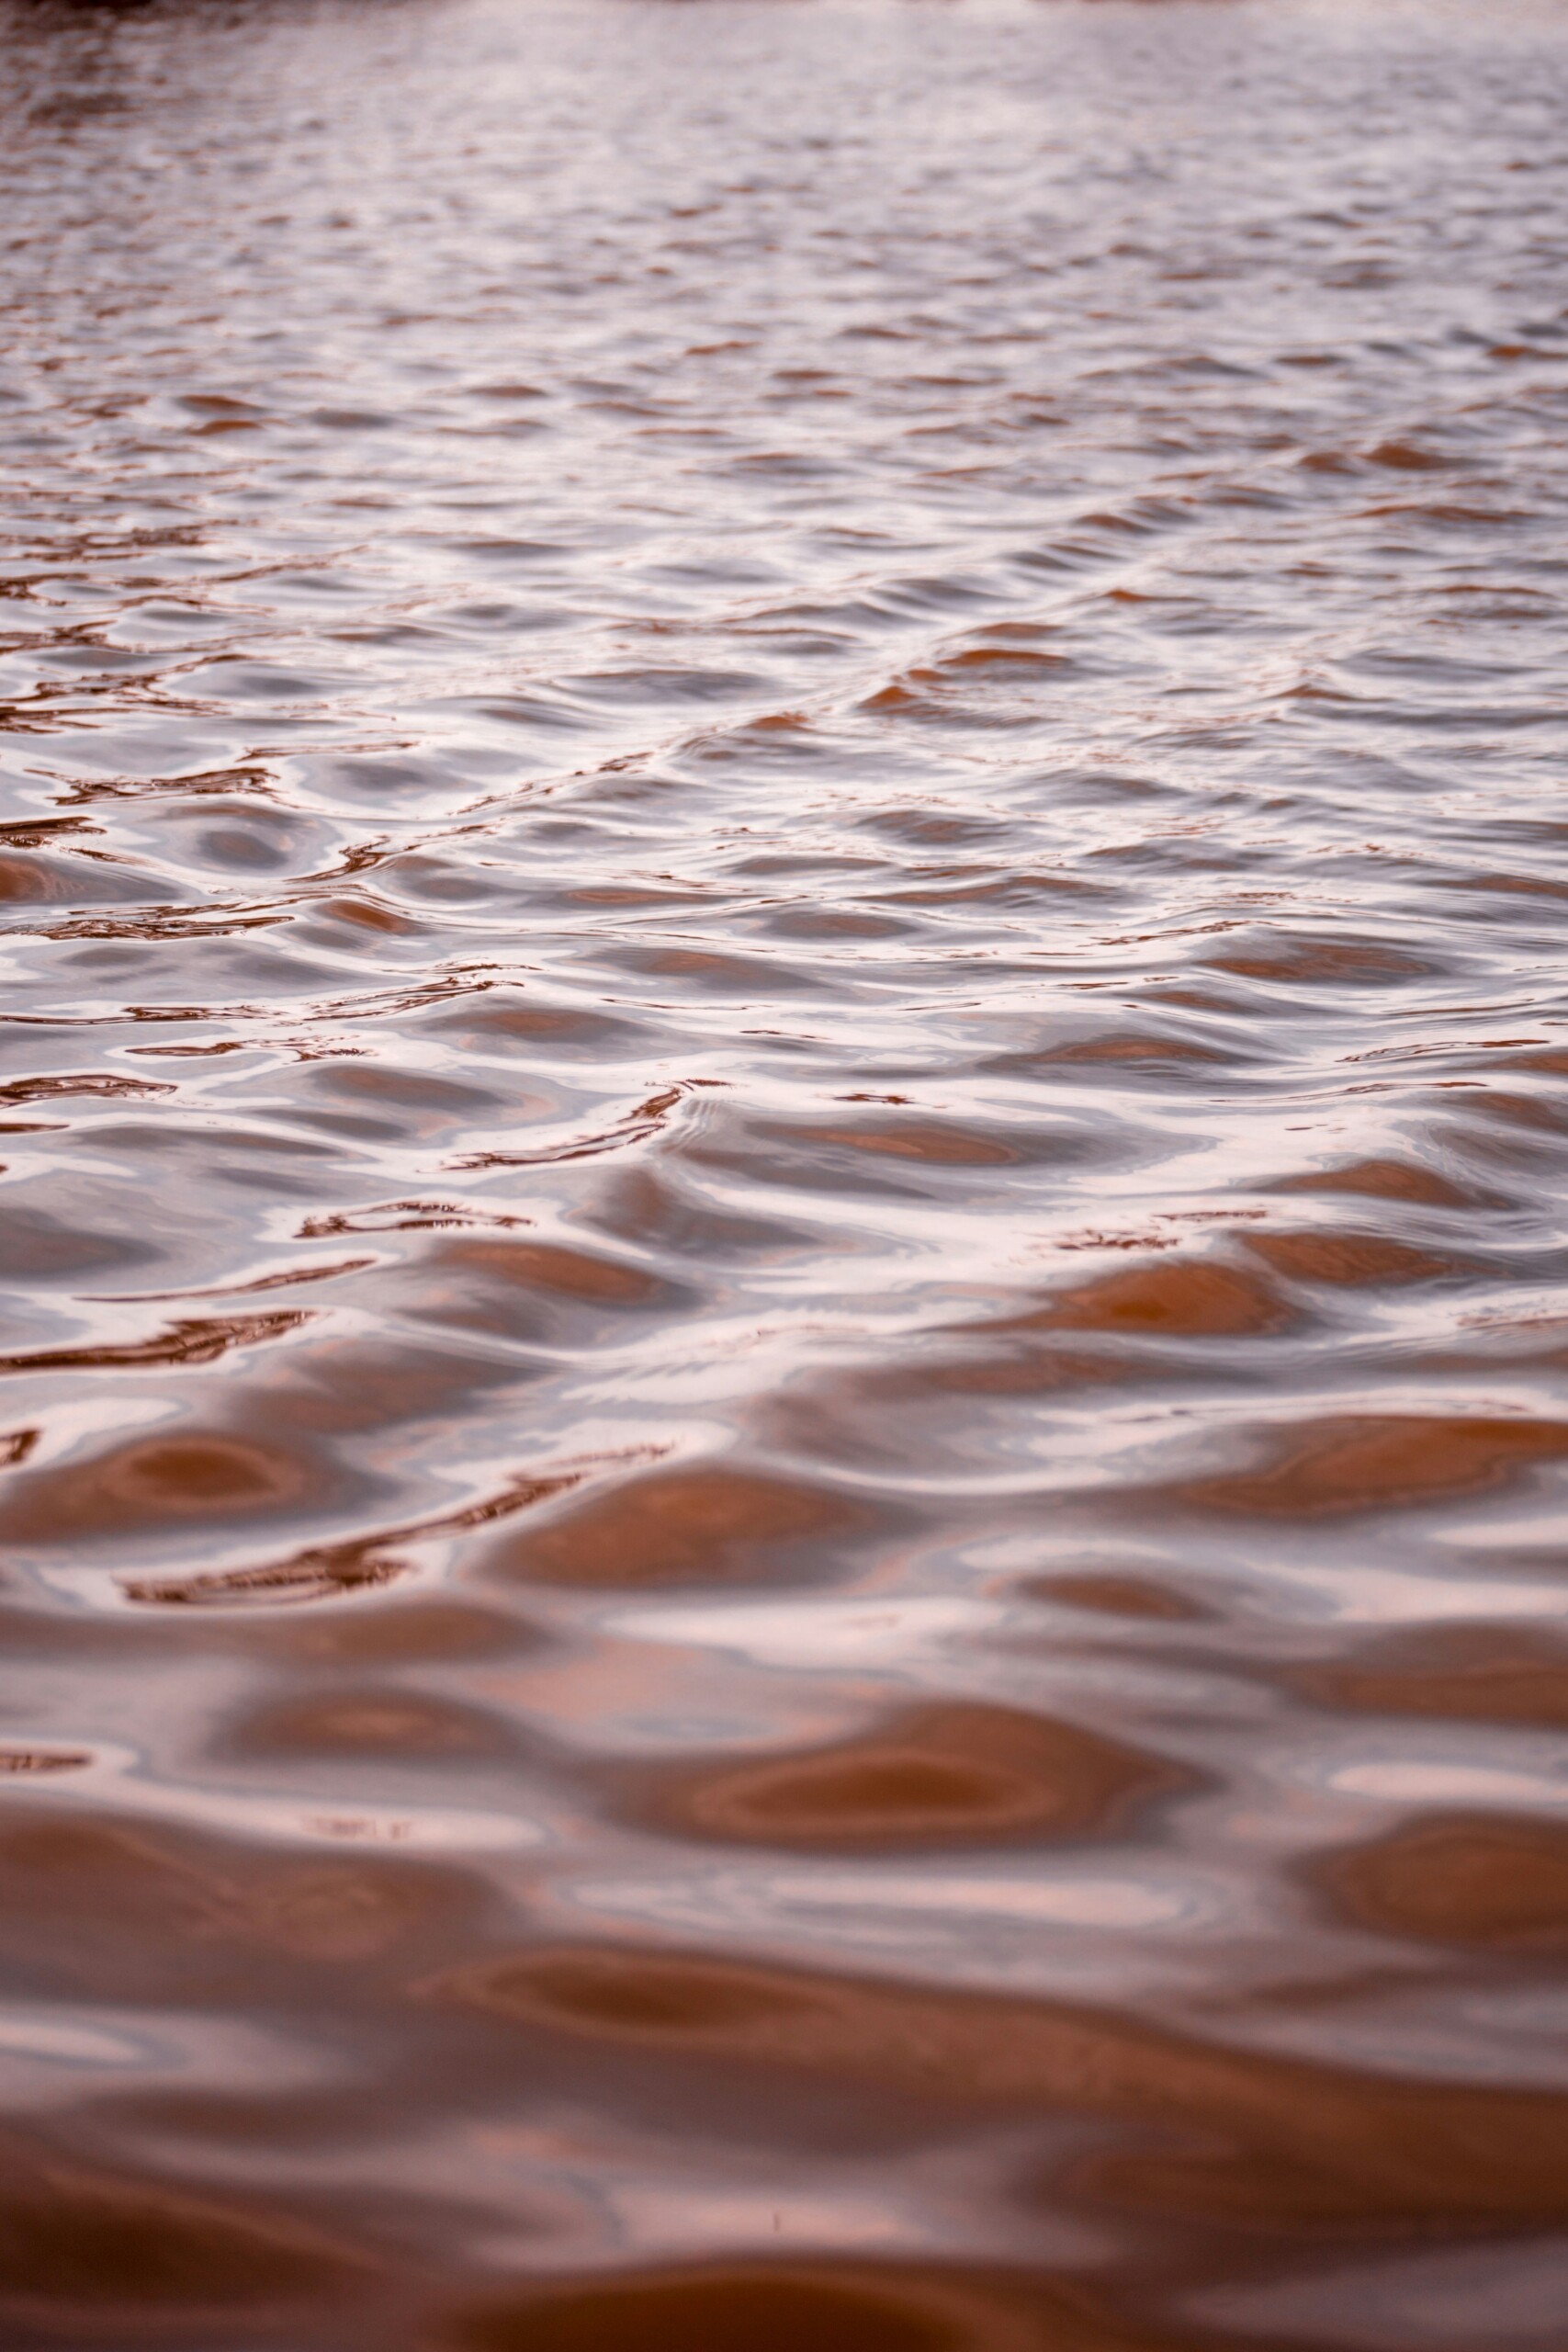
(786, 902)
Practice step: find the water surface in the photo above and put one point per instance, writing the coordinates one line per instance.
(786, 908)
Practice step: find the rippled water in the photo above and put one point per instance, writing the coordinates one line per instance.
(786, 901)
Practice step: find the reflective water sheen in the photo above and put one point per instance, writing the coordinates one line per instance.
(786, 908)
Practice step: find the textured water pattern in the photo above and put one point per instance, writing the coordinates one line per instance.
(786, 908)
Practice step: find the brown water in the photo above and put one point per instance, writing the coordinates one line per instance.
(786, 900)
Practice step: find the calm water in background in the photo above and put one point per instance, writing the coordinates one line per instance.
(786, 908)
